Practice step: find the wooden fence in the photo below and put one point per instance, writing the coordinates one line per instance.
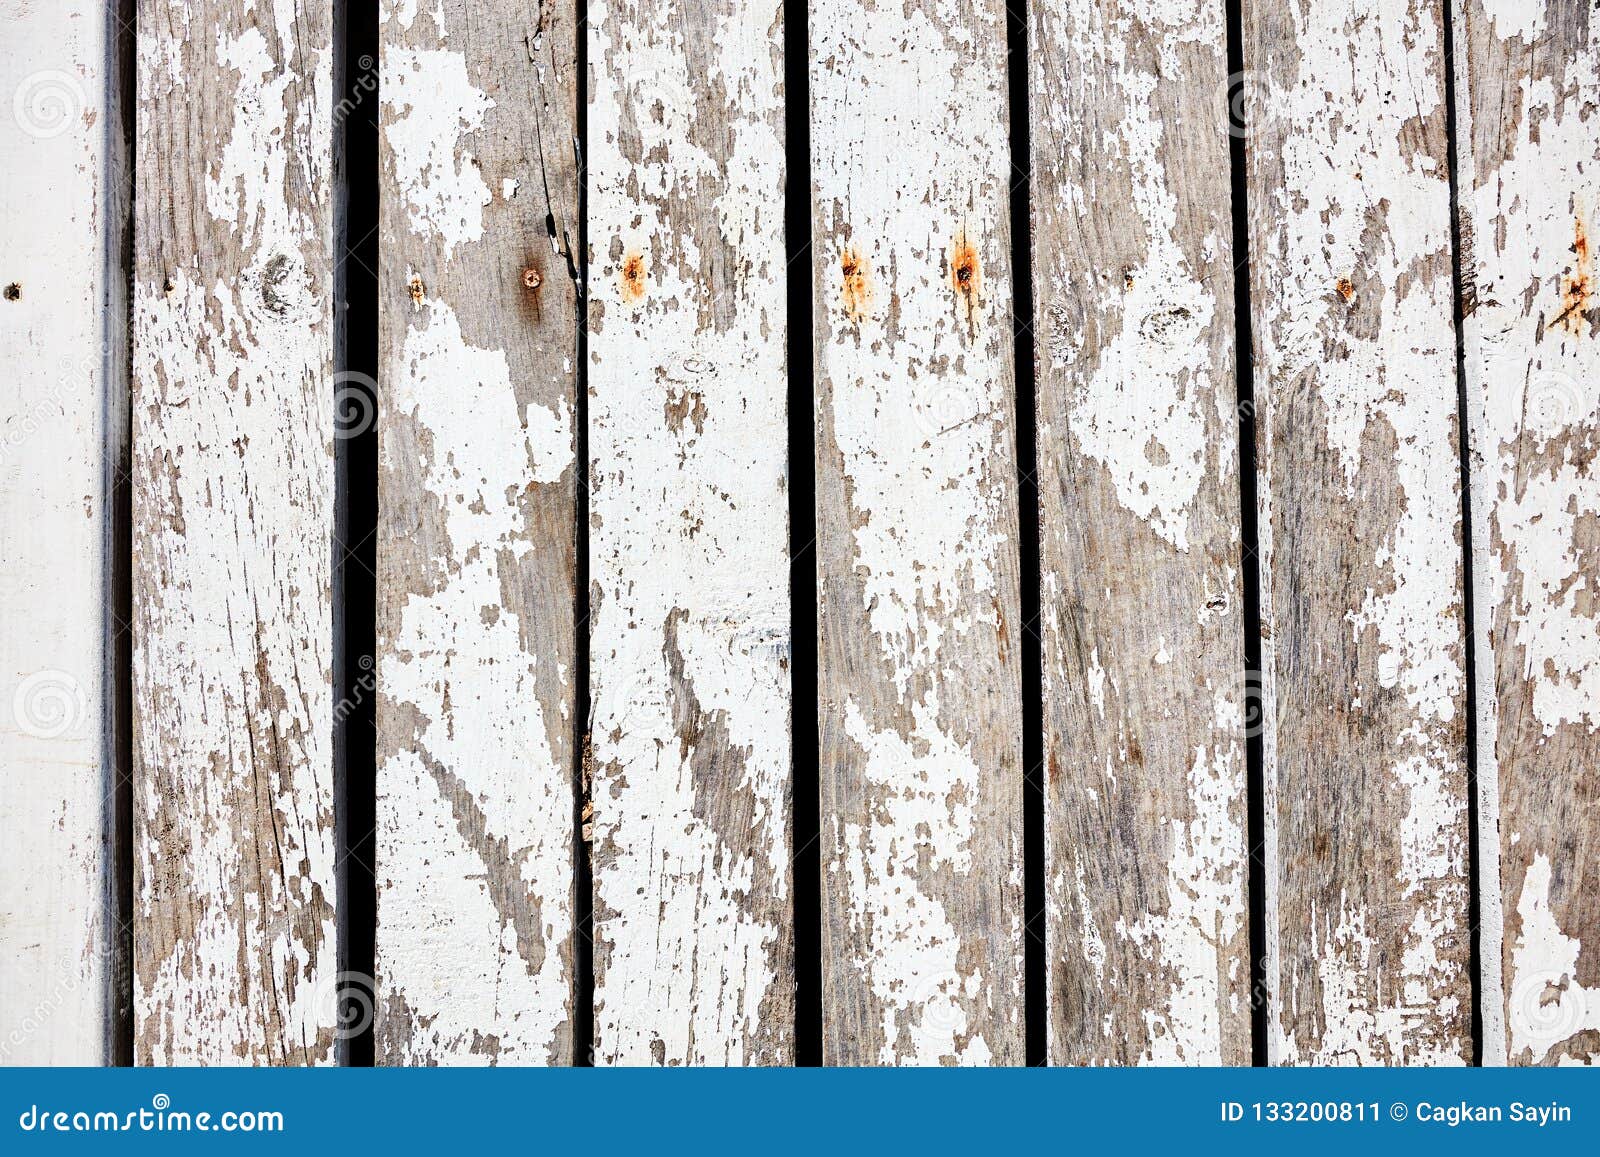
(1291, 754)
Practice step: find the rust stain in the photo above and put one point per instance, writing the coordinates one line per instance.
(1577, 284)
(1345, 287)
(532, 283)
(966, 275)
(415, 288)
(856, 292)
(634, 278)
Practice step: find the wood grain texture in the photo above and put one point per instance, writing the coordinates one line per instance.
(1528, 148)
(1144, 696)
(1367, 937)
(918, 616)
(688, 534)
(477, 538)
(63, 446)
(234, 938)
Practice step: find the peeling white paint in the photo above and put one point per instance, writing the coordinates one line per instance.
(909, 190)
(1205, 907)
(1353, 172)
(1530, 207)
(1140, 413)
(688, 544)
(432, 106)
(1548, 1006)
(446, 948)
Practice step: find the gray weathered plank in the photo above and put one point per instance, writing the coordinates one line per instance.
(63, 456)
(1528, 148)
(1367, 936)
(688, 525)
(1145, 796)
(918, 618)
(477, 538)
(233, 486)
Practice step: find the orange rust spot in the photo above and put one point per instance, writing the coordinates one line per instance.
(1346, 288)
(856, 292)
(1577, 285)
(634, 278)
(415, 286)
(966, 274)
(532, 278)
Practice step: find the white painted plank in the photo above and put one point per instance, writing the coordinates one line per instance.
(1362, 612)
(1144, 696)
(1528, 148)
(476, 546)
(688, 534)
(62, 440)
(234, 938)
(918, 619)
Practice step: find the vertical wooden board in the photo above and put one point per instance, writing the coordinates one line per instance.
(477, 538)
(63, 340)
(918, 622)
(1144, 697)
(233, 486)
(1362, 621)
(688, 534)
(1528, 147)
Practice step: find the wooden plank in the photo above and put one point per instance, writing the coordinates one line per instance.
(1362, 622)
(1148, 953)
(918, 617)
(233, 486)
(63, 440)
(1527, 91)
(477, 546)
(688, 524)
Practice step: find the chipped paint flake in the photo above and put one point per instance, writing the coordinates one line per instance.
(432, 105)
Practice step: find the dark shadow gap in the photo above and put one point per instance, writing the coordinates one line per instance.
(583, 1037)
(119, 627)
(807, 814)
(1458, 312)
(355, 231)
(1250, 541)
(1036, 1012)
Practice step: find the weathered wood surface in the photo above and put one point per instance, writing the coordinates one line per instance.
(63, 418)
(1528, 148)
(477, 538)
(1145, 797)
(1362, 615)
(688, 534)
(918, 611)
(233, 486)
